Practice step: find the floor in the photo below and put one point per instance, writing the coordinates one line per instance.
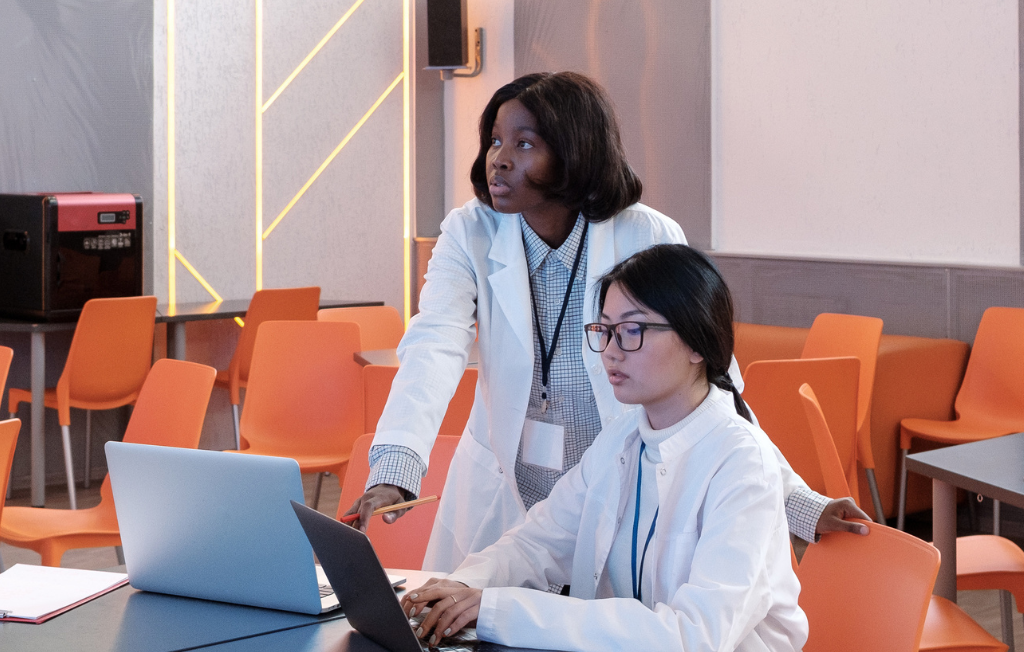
(983, 606)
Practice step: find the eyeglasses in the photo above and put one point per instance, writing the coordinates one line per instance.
(629, 335)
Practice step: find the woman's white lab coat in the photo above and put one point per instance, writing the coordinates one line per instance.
(478, 273)
(720, 556)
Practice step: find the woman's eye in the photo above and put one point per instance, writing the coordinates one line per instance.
(632, 330)
(495, 142)
(525, 145)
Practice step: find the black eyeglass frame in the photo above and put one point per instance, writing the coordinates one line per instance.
(614, 329)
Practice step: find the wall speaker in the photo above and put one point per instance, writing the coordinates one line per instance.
(447, 45)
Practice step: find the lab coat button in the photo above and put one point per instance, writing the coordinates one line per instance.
(595, 576)
(662, 471)
(622, 459)
(501, 470)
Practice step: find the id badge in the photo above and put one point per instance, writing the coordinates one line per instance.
(543, 444)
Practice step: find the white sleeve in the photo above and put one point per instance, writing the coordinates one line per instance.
(727, 594)
(434, 351)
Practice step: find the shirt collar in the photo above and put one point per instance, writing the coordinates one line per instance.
(537, 250)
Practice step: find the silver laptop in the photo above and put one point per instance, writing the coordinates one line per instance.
(215, 525)
(363, 589)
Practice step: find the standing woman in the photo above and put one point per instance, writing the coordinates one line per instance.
(556, 207)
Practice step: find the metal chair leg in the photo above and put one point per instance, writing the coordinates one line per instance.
(9, 486)
(119, 551)
(876, 498)
(902, 508)
(316, 492)
(238, 430)
(69, 469)
(88, 448)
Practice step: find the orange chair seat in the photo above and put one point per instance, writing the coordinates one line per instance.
(961, 431)
(318, 462)
(987, 561)
(947, 627)
(51, 532)
(16, 396)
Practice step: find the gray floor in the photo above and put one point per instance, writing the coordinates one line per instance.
(983, 606)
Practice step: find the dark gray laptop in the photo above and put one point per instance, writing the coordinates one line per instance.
(362, 586)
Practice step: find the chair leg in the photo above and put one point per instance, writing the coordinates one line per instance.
(119, 551)
(316, 492)
(902, 508)
(69, 469)
(9, 484)
(238, 433)
(88, 448)
(876, 498)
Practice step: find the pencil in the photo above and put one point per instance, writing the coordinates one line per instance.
(392, 508)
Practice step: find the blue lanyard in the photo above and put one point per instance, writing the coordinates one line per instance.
(637, 589)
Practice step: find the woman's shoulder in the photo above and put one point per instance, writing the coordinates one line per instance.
(472, 216)
(737, 441)
(644, 222)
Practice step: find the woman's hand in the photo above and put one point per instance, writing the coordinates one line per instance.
(834, 518)
(453, 605)
(377, 496)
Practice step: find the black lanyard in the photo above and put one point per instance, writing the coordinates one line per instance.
(638, 581)
(546, 355)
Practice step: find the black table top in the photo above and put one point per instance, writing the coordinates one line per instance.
(993, 467)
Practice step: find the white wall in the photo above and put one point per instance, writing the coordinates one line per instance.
(465, 99)
(866, 130)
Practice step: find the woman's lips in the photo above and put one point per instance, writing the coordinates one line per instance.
(498, 188)
(616, 377)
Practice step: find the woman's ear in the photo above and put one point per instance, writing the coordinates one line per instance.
(695, 358)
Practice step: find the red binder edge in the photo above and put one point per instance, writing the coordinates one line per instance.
(53, 614)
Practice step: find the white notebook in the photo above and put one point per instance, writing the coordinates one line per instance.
(37, 593)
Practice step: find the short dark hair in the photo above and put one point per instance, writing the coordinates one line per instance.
(576, 119)
(685, 287)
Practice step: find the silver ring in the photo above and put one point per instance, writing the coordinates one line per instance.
(454, 601)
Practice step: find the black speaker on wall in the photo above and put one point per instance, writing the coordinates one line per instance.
(446, 34)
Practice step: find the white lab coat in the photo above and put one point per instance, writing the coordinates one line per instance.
(478, 273)
(720, 560)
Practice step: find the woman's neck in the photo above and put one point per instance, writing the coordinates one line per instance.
(674, 408)
(552, 224)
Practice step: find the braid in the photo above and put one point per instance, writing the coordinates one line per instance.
(721, 380)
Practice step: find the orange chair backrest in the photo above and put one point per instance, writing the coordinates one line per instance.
(377, 385)
(111, 351)
(772, 392)
(402, 544)
(833, 335)
(867, 592)
(305, 392)
(8, 440)
(6, 355)
(993, 386)
(270, 305)
(828, 459)
(171, 407)
(380, 327)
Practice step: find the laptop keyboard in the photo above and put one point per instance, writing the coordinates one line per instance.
(325, 590)
(462, 641)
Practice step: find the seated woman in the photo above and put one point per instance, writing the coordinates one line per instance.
(710, 572)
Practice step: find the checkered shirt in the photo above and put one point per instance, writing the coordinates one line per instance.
(570, 396)
(803, 509)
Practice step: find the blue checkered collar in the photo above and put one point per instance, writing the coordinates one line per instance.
(537, 250)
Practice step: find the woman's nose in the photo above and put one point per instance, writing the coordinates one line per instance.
(499, 160)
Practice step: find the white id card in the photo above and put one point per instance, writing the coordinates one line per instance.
(543, 444)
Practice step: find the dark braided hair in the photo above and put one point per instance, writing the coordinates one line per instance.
(686, 288)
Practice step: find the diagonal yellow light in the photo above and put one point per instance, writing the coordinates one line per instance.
(199, 277)
(309, 57)
(323, 166)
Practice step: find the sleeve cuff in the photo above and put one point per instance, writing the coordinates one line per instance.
(804, 507)
(396, 465)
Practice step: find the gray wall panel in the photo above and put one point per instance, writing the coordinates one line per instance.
(654, 59)
(973, 290)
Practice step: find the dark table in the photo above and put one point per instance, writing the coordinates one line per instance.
(174, 315)
(993, 468)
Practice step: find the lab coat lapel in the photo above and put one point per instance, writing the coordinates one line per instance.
(510, 284)
(600, 259)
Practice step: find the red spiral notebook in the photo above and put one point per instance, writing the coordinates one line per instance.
(35, 594)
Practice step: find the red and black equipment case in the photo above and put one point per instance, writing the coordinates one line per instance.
(59, 250)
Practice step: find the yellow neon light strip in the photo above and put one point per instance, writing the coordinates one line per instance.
(171, 198)
(259, 145)
(323, 166)
(199, 277)
(309, 57)
(406, 168)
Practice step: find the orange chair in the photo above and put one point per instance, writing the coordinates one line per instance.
(305, 395)
(111, 353)
(772, 392)
(6, 355)
(380, 327)
(169, 412)
(377, 385)
(946, 626)
(834, 335)
(403, 544)
(8, 441)
(265, 305)
(990, 402)
(867, 592)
